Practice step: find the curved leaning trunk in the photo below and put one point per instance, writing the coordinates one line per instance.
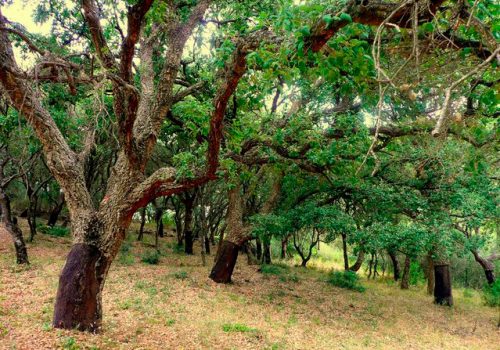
(10, 224)
(359, 262)
(442, 286)
(395, 264)
(487, 265)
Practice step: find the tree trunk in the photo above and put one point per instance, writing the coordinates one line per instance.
(54, 213)
(395, 264)
(32, 223)
(284, 244)
(224, 265)
(188, 201)
(359, 261)
(370, 266)
(79, 296)
(344, 250)
(159, 221)
(487, 265)
(258, 248)
(10, 224)
(140, 236)
(430, 275)
(442, 288)
(267, 253)
(207, 245)
(405, 280)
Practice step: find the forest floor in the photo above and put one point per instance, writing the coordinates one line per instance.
(174, 305)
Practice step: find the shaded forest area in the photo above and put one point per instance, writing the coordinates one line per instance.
(249, 174)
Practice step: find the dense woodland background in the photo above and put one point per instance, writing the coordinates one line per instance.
(322, 142)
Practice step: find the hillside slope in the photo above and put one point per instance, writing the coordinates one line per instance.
(175, 305)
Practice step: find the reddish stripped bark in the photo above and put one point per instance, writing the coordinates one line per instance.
(225, 262)
(442, 287)
(78, 301)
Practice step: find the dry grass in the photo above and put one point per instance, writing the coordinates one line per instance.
(174, 305)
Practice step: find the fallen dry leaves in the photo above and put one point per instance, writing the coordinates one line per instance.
(174, 305)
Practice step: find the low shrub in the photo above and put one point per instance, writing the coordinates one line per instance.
(181, 275)
(491, 294)
(151, 257)
(57, 231)
(345, 279)
(273, 269)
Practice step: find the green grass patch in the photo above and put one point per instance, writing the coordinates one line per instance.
(237, 327)
(346, 280)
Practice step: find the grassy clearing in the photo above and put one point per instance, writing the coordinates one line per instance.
(174, 305)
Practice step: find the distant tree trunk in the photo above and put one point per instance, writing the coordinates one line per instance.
(284, 244)
(370, 266)
(238, 233)
(56, 210)
(249, 250)
(344, 250)
(487, 265)
(10, 224)
(375, 265)
(140, 236)
(267, 253)
(258, 248)
(442, 288)
(359, 261)
(405, 280)
(395, 264)
(159, 220)
(207, 245)
(188, 200)
(430, 275)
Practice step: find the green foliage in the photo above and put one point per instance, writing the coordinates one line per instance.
(491, 294)
(417, 275)
(345, 279)
(151, 257)
(57, 231)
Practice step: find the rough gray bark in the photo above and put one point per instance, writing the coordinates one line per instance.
(10, 224)
(405, 279)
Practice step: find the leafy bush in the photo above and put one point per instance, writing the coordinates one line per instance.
(178, 248)
(237, 327)
(416, 274)
(491, 294)
(151, 257)
(273, 269)
(57, 231)
(345, 279)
